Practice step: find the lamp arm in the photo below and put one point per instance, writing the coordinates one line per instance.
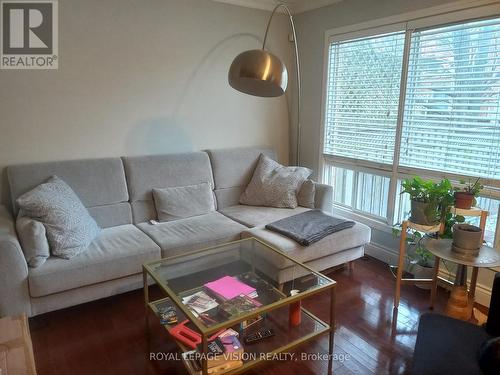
(292, 26)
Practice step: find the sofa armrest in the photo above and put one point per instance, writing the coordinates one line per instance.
(323, 200)
(14, 294)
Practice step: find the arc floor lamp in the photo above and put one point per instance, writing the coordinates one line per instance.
(260, 73)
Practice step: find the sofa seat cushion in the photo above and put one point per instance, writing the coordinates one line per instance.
(117, 252)
(193, 233)
(358, 235)
(254, 216)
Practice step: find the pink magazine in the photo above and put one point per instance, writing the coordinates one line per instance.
(229, 287)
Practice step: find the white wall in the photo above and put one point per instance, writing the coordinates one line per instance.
(142, 77)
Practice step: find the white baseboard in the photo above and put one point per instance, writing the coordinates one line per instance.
(389, 256)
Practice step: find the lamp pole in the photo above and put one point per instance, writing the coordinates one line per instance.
(297, 71)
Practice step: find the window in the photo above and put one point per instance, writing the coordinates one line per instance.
(360, 191)
(451, 115)
(416, 101)
(362, 98)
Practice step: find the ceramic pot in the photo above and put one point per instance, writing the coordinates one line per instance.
(463, 200)
(467, 239)
(421, 272)
(423, 213)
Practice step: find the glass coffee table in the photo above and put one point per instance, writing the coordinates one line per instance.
(204, 311)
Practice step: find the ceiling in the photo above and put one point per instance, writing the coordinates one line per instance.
(297, 6)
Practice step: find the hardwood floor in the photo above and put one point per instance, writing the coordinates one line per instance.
(107, 336)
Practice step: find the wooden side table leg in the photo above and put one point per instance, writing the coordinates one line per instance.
(475, 270)
(434, 281)
(473, 282)
(482, 222)
(402, 252)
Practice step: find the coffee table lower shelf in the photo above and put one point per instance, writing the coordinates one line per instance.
(286, 337)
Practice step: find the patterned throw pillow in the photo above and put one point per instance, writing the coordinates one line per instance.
(69, 227)
(274, 185)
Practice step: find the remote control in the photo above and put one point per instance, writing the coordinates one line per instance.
(261, 334)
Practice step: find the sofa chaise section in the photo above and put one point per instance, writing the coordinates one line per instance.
(112, 263)
(337, 248)
(174, 170)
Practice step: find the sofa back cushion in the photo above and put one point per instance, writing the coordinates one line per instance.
(173, 203)
(233, 169)
(99, 183)
(145, 173)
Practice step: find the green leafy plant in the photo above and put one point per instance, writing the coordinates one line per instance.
(437, 195)
(416, 253)
(417, 188)
(449, 221)
(439, 198)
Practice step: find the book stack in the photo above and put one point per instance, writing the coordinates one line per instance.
(238, 306)
(199, 302)
(236, 298)
(224, 354)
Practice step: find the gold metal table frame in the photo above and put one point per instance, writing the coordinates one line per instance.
(207, 331)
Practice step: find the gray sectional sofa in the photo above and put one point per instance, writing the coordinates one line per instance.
(117, 193)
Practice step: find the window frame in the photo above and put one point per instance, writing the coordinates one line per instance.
(439, 16)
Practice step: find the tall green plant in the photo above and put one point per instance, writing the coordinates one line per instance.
(437, 195)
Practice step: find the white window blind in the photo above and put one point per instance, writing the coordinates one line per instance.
(362, 97)
(451, 116)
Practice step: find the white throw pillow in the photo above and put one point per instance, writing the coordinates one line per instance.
(307, 193)
(179, 202)
(274, 185)
(33, 240)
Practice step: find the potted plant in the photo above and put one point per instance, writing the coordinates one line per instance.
(467, 239)
(422, 266)
(420, 261)
(465, 197)
(429, 200)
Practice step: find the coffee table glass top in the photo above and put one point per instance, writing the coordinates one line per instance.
(248, 264)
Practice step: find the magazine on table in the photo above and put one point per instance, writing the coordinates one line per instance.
(200, 302)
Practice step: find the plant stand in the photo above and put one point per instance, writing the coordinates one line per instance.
(407, 224)
(483, 215)
(458, 296)
(461, 302)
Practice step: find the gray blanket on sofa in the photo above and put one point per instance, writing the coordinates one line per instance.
(309, 227)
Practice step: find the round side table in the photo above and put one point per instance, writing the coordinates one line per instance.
(461, 299)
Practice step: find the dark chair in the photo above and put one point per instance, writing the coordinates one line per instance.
(449, 346)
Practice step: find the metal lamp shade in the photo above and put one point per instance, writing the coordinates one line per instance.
(259, 73)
